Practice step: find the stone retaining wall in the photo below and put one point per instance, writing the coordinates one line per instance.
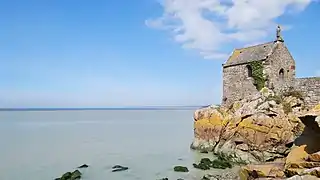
(310, 87)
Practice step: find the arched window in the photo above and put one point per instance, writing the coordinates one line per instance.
(249, 70)
(281, 74)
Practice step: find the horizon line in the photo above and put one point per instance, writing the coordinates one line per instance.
(102, 108)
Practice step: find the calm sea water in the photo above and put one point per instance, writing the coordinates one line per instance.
(42, 145)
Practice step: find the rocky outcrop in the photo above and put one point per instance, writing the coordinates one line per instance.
(302, 163)
(260, 128)
(276, 135)
(297, 165)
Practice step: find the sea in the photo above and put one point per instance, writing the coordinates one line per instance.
(44, 144)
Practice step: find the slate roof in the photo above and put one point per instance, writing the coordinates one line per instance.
(251, 53)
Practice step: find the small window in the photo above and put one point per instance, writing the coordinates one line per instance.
(249, 70)
(281, 74)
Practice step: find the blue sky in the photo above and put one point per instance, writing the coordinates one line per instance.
(81, 53)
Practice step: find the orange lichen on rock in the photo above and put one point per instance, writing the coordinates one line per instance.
(270, 170)
(267, 132)
(296, 157)
(317, 108)
(248, 123)
(215, 119)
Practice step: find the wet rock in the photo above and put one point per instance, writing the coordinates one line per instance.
(206, 164)
(206, 177)
(83, 166)
(75, 175)
(180, 169)
(66, 175)
(218, 164)
(118, 168)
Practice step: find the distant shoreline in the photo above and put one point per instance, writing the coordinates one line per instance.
(107, 108)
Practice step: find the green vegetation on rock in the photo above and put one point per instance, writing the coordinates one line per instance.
(257, 74)
(223, 161)
(230, 158)
(276, 98)
(294, 93)
(287, 107)
(281, 99)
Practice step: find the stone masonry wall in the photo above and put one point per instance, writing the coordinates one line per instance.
(236, 84)
(310, 87)
(281, 59)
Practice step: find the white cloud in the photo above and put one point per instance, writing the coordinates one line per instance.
(208, 25)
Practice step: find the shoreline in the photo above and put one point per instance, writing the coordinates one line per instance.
(171, 173)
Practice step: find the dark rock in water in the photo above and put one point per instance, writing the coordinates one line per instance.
(117, 168)
(180, 179)
(205, 177)
(120, 169)
(164, 179)
(83, 166)
(201, 166)
(66, 175)
(206, 161)
(218, 164)
(180, 169)
(206, 164)
(75, 175)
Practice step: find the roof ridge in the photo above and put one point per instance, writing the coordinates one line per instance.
(255, 52)
(254, 45)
